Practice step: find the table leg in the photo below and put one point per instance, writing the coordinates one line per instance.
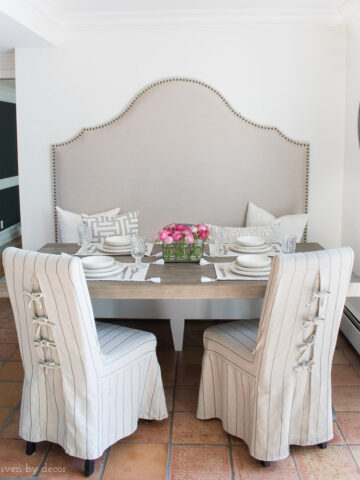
(177, 325)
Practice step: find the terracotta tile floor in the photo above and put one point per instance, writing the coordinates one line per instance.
(181, 447)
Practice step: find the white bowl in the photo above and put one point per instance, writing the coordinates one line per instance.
(117, 240)
(250, 241)
(253, 261)
(96, 262)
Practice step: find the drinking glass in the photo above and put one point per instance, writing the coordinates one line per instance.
(218, 239)
(84, 235)
(288, 243)
(137, 246)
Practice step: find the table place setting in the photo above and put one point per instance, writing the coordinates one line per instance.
(106, 268)
(113, 245)
(245, 267)
(251, 245)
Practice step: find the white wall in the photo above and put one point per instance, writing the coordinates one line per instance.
(351, 214)
(289, 76)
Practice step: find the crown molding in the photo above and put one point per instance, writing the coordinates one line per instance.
(41, 18)
(200, 18)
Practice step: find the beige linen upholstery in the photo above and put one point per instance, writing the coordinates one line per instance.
(178, 140)
(270, 383)
(86, 383)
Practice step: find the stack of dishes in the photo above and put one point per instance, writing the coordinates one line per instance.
(117, 245)
(100, 266)
(252, 266)
(250, 245)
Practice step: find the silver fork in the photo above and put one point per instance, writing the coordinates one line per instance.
(222, 270)
(132, 272)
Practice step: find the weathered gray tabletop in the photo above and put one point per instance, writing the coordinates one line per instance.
(178, 281)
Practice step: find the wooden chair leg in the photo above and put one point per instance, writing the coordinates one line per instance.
(89, 468)
(265, 463)
(30, 448)
(323, 445)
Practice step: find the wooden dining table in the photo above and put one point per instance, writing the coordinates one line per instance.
(180, 281)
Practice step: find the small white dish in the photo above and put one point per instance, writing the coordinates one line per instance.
(115, 266)
(110, 273)
(117, 241)
(253, 261)
(96, 262)
(249, 241)
(237, 271)
(114, 251)
(247, 269)
(264, 249)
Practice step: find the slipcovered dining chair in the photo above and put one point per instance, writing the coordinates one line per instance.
(86, 383)
(270, 381)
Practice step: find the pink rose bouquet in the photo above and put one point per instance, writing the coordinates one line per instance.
(183, 243)
(178, 232)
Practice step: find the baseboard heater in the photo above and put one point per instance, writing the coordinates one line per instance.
(350, 327)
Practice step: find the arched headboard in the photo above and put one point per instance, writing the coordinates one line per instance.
(180, 152)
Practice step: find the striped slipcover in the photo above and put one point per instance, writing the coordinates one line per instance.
(270, 381)
(86, 383)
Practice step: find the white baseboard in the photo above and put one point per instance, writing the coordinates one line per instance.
(10, 233)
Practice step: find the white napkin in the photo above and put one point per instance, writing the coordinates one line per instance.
(207, 279)
(232, 276)
(161, 261)
(159, 254)
(155, 279)
(204, 262)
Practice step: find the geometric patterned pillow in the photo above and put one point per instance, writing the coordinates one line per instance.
(269, 233)
(104, 226)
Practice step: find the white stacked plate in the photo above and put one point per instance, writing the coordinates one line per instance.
(253, 245)
(100, 266)
(252, 265)
(117, 245)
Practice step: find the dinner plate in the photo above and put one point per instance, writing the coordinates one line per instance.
(256, 269)
(253, 261)
(265, 249)
(96, 274)
(96, 262)
(119, 251)
(247, 274)
(112, 267)
(249, 241)
(117, 241)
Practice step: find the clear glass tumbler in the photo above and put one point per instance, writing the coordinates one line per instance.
(84, 235)
(137, 245)
(288, 243)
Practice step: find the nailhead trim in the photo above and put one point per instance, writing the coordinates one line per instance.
(187, 80)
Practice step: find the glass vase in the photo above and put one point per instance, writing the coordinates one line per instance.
(182, 252)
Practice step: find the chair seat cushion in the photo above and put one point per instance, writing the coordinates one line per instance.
(235, 341)
(121, 345)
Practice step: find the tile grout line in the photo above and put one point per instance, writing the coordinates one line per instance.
(102, 471)
(347, 445)
(10, 417)
(231, 458)
(172, 420)
(295, 464)
(38, 471)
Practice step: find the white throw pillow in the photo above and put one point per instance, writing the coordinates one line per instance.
(69, 222)
(289, 224)
(270, 233)
(103, 226)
